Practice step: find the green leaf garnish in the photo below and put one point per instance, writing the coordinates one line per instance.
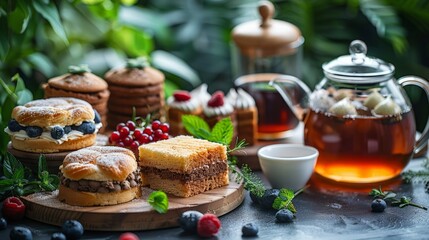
(284, 200)
(82, 68)
(390, 197)
(18, 180)
(139, 63)
(196, 126)
(159, 201)
(223, 131)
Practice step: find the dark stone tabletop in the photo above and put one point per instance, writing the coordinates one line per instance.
(325, 211)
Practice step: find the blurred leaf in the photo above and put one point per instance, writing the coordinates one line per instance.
(186, 77)
(129, 2)
(42, 63)
(24, 97)
(20, 85)
(92, 1)
(7, 107)
(131, 40)
(18, 19)
(50, 13)
(106, 9)
(151, 21)
(4, 39)
(169, 88)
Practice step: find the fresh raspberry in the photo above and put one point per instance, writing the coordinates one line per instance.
(216, 100)
(181, 95)
(13, 208)
(128, 236)
(208, 225)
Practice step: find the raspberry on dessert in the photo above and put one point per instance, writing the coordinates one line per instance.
(188, 220)
(72, 229)
(181, 95)
(57, 132)
(13, 208)
(216, 100)
(208, 225)
(20, 233)
(33, 131)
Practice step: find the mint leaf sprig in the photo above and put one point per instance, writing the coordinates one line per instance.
(159, 201)
(284, 200)
(222, 133)
(390, 197)
(17, 180)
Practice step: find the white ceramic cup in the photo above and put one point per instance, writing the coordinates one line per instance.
(288, 165)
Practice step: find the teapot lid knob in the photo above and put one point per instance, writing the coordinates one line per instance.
(266, 10)
(358, 51)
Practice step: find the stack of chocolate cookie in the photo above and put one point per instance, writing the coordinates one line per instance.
(135, 86)
(81, 83)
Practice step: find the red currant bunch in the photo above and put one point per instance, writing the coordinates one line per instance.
(130, 135)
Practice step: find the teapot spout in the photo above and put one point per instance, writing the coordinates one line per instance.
(286, 96)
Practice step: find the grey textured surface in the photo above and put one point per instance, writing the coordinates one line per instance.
(325, 211)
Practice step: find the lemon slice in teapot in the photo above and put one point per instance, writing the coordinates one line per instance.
(387, 107)
(343, 107)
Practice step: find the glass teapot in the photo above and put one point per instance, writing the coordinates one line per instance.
(360, 119)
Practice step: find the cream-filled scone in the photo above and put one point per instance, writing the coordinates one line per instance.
(98, 176)
(53, 125)
(179, 104)
(246, 114)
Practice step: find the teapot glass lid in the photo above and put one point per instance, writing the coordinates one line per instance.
(357, 67)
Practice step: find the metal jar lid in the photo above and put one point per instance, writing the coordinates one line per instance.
(357, 67)
(267, 37)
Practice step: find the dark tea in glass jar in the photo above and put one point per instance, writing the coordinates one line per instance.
(275, 119)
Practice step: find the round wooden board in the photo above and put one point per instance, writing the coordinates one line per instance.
(135, 215)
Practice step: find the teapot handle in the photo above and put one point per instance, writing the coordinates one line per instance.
(420, 82)
(285, 95)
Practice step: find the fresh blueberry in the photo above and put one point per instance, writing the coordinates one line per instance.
(3, 223)
(378, 205)
(97, 118)
(85, 128)
(58, 236)
(14, 126)
(255, 198)
(284, 216)
(20, 233)
(57, 132)
(72, 229)
(249, 230)
(33, 131)
(67, 129)
(268, 198)
(189, 220)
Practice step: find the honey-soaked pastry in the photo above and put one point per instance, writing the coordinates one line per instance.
(99, 175)
(53, 125)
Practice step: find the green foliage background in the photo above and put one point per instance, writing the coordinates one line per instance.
(190, 40)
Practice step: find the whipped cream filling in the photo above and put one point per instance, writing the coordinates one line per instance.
(46, 134)
(224, 110)
(240, 99)
(187, 106)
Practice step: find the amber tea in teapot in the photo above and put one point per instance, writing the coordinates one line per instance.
(365, 147)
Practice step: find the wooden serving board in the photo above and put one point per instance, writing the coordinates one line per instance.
(135, 215)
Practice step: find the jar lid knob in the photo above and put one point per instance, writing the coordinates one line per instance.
(266, 10)
(358, 51)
